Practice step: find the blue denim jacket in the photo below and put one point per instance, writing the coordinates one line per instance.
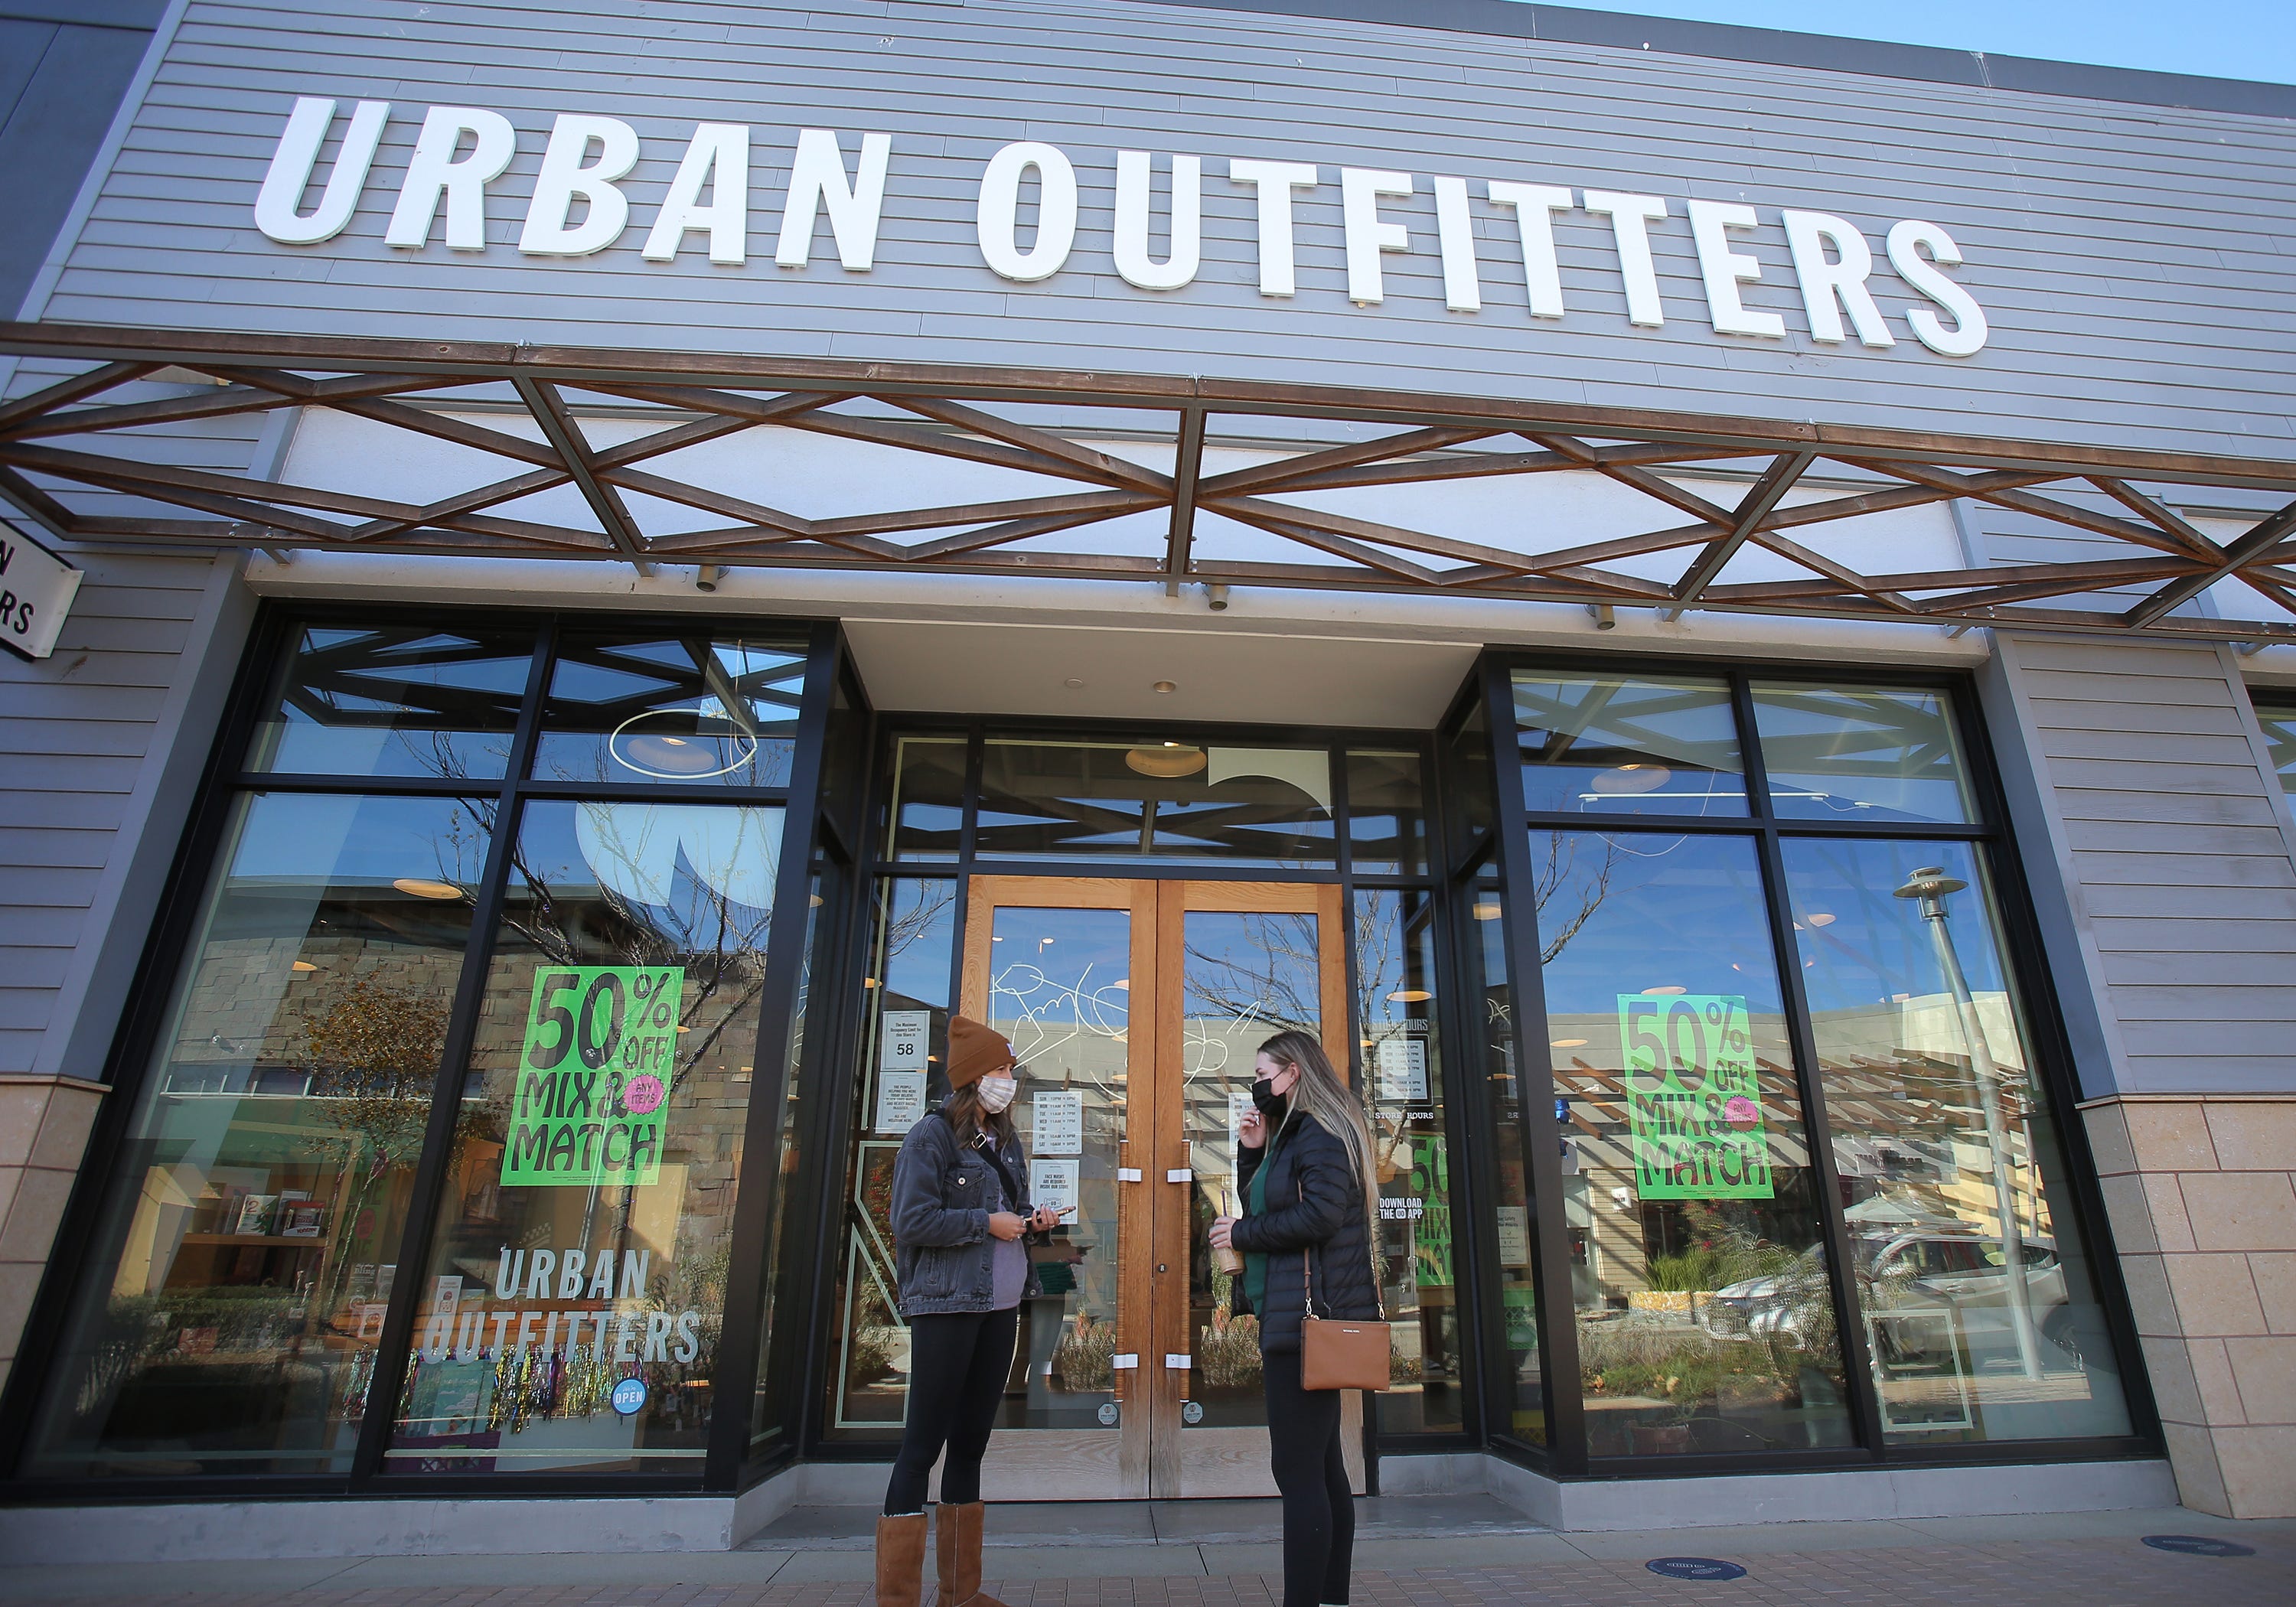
(943, 1194)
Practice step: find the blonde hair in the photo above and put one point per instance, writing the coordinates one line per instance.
(1322, 1092)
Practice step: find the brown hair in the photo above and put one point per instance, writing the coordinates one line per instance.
(969, 1119)
(1322, 1092)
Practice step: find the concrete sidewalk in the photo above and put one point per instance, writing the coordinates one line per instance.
(1411, 1552)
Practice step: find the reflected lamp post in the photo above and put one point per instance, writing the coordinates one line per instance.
(1930, 887)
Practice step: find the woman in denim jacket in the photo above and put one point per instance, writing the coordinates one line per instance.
(960, 1218)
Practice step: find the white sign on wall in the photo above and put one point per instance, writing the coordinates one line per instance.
(1053, 1182)
(903, 1037)
(36, 589)
(1060, 1123)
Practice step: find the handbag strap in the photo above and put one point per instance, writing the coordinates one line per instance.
(1307, 1284)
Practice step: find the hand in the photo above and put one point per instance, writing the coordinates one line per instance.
(1043, 1220)
(1252, 1129)
(1221, 1226)
(1005, 1225)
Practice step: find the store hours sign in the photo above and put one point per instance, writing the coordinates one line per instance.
(1026, 206)
(1694, 1105)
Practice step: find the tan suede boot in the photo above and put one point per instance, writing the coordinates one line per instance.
(956, 1548)
(900, 1559)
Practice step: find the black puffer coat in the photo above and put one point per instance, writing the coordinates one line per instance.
(1314, 1209)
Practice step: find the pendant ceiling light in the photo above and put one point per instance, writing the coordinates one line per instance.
(1628, 779)
(1167, 760)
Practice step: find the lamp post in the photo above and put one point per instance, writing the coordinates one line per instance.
(1930, 887)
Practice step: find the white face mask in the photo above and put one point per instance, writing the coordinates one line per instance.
(996, 1093)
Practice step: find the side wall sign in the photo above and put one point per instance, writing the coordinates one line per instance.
(36, 589)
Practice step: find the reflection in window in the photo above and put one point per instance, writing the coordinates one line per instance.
(2279, 724)
(1522, 1386)
(1616, 745)
(569, 1315)
(785, 1262)
(1387, 820)
(248, 1247)
(1235, 805)
(1402, 1085)
(1706, 1319)
(1873, 754)
(671, 710)
(1980, 1313)
(394, 701)
(928, 818)
(905, 993)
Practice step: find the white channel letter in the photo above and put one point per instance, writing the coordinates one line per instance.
(297, 153)
(562, 178)
(1274, 183)
(1535, 207)
(1360, 189)
(1631, 216)
(432, 172)
(1136, 187)
(718, 156)
(1725, 270)
(1905, 240)
(1455, 234)
(1829, 285)
(817, 183)
(995, 221)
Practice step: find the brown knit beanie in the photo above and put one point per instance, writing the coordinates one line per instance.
(974, 1052)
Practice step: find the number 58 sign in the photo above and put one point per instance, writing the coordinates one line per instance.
(1692, 1103)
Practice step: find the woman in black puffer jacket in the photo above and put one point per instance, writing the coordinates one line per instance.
(1304, 1168)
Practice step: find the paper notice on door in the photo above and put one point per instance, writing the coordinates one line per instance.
(1060, 1123)
(1053, 1182)
(1514, 1235)
(1239, 1100)
(900, 1100)
(1402, 1070)
(903, 1040)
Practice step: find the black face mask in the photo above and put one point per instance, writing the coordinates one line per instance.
(1270, 1104)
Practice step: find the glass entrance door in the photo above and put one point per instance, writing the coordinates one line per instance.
(1136, 1007)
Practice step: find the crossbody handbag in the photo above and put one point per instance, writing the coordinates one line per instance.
(1340, 1353)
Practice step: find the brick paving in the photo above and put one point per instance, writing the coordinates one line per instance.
(2094, 1571)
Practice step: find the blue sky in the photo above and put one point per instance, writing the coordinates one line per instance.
(2216, 39)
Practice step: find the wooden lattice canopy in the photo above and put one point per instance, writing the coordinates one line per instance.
(2134, 517)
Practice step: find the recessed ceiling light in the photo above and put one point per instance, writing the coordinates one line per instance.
(1168, 686)
(422, 887)
(1073, 684)
(1655, 993)
(1568, 1043)
(1820, 920)
(1409, 995)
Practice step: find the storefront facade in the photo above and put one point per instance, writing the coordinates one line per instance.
(1720, 610)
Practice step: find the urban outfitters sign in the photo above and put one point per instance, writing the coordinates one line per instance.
(579, 206)
(1693, 1107)
(592, 1096)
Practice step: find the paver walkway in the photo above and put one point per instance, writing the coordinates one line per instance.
(1427, 1552)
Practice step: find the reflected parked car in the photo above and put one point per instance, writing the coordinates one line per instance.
(1958, 1280)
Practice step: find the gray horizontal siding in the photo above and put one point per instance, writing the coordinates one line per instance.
(2121, 312)
(90, 732)
(2176, 856)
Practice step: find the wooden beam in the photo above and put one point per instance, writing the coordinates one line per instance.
(1752, 509)
(1262, 477)
(1187, 484)
(1100, 466)
(2261, 535)
(560, 430)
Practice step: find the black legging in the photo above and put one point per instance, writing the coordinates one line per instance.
(1319, 1508)
(958, 1364)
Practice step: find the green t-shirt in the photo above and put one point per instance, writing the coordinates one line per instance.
(1255, 1263)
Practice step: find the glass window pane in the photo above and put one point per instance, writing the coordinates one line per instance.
(1165, 798)
(928, 796)
(246, 1250)
(1387, 820)
(397, 701)
(1980, 1311)
(913, 947)
(781, 1339)
(1620, 745)
(568, 1314)
(1522, 1387)
(1865, 753)
(1474, 793)
(1402, 1083)
(1705, 1313)
(671, 710)
(2280, 737)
